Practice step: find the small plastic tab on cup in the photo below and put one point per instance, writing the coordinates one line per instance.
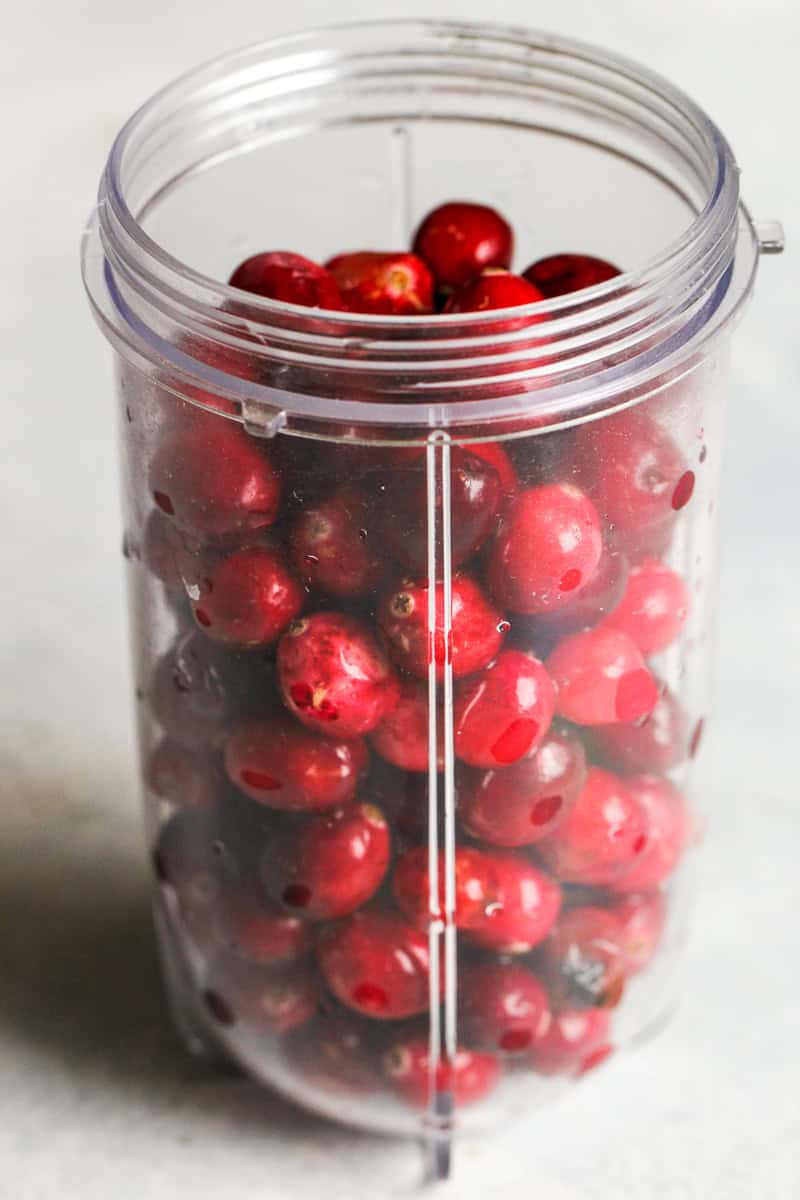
(262, 421)
(770, 235)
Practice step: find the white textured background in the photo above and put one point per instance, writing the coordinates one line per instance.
(97, 1100)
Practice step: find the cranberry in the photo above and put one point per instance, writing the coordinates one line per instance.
(576, 1040)
(657, 743)
(376, 963)
(493, 289)
(330, 865)
(214, 480)
(468, 1076)
(268, 1001)
(504, 1007)
(248, 598)
(503, 713)
(336, 1055)
(228, 360)
(160, 551)
(458, 240)
(402, 737)
(654, 607)
(525, 907)
(191, 696)
(282, 765)
(475, 886)
(591, 603)
(184, 861)
(642, 916)
(494, 454)
(601, 678)
(333, 545)
(561, 274)
(281, 275)
(667, 831)
(476, 633)
(547, 548)
(602, 836)
(393, 284)
(334, 675)
(259, 933)
(181, 777)
(475, 497)
(585, 959)
(527, 801)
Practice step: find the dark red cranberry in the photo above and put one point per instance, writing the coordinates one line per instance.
(561, 274)
(281, 275)
(335, 1054)
(591, 603)
(527, 801)
(584, 959)
(642, 916)
(282, 765)
(546, 550)
(654, 607)
(504, 1008)
(248, 598)
(335, 676)
(475, 886)
(254, 930)
(494, 454)
(476, 495)
(331, 864)
(602, 836)
(667, 828)
(333, 545)
(393, 284)
(180, 777)
(376, 963)
(272, 1001)
(476, 633)
(524, 910)
(655, 744)
(458, 240)
(600, 678)
(503, 713)
(576, 1041)
(184, 861)
(402, 737)
(494, 289)
(191, 697)
(468, 1077)
(214, 480)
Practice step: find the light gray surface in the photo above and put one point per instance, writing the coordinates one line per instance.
(96, 1098)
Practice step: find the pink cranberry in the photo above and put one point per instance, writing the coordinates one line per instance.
(601, 678)
(334, 546)
(642, 916)
(248, 598)
(653, 609)
(561, 274)
(468, 1077)
(527, 801)
(524, 910)
(282, 765)
(402, 736)
(272, 1001)
(181, 777)
(377, 964)
(330, 865)
(504, 1007)
(585, 959)
(476, 886)
(667, 827)
(281, 275)
(602, 836)
(458, 240)
(263, 935)
(335, 1054)
(503, 713)
(547, 548)
(589, 604)
(655, 744)
(214, 480)
(393, 284)
(477, 628)
(492, 289)
(577, 1040)
(335, 676)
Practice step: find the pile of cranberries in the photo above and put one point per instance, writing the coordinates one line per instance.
(292, 769)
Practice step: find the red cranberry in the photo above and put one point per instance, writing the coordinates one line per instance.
(504, 1007)
(248, 598)
(493, 289)
(468, 1077)
(656, 744)
(336, 1055)
(334, 547)
(601, 678)
(475, 497)
(494, 454)
(561, 274)
(546, 549)
(477, 629)
(281, 275)
(259, 933)
(458, 240)
(527, 801)
(282, 765)
(393, 284)
(585, 959)
(524, 909)
(503, 713)
(666, 828)
(476, 886)
(653, 609)
(268, 1001)
(402, 736)
(591, 603)
(335, 676)
(214, 480)
(181, 777)
(602, 836)
(192, 699)
(576, 1040)
(330, 865)
(184, 861)
(642, 916)
(376, 963)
